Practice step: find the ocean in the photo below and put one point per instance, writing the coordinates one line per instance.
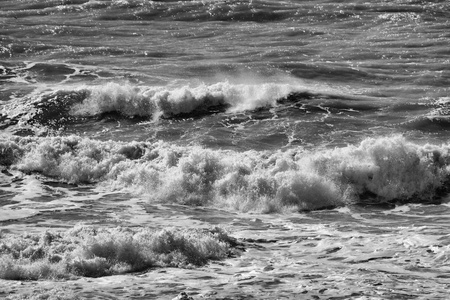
(224, 149)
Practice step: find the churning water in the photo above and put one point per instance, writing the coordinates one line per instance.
(316, 133)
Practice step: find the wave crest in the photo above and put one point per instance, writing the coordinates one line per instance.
(55, 110)
(169, 102)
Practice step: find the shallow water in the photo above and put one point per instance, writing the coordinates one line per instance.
(315, 132)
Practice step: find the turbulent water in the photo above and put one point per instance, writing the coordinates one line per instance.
(315, 132)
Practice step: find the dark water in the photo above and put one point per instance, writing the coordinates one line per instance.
(244, 106)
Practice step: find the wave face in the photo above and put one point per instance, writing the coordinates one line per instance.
(376, 171)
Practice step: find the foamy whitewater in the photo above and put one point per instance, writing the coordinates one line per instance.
(224, 149)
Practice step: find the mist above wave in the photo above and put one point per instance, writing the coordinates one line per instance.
(375, 171)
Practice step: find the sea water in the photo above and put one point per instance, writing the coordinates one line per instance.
(232, 149)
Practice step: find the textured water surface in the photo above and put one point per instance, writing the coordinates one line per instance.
(315, 133)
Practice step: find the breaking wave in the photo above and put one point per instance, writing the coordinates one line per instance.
(54, 109)
(168, 102)
(375, 171)
(93, 252)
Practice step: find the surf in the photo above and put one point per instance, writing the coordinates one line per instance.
(381, 170)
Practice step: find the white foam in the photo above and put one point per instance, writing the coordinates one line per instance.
(382, 169)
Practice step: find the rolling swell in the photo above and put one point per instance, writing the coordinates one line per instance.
(375, 171)
(200, 11)
(438, 119)
(258, 11)
(225, 11)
